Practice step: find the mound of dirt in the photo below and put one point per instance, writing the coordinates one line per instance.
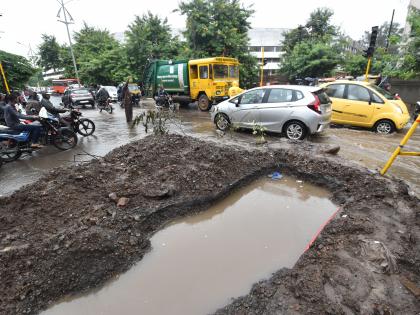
(79, 226)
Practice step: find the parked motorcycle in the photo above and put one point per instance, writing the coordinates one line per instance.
(14, 143)
(105, 105)
(74, 121)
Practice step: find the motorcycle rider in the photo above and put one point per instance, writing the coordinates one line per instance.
(12, 117)
(102, 96)
(46, 103)
(161, 96)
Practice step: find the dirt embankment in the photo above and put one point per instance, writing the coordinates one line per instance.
(64, 234)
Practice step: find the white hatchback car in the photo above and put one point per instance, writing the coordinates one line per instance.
(294, 110)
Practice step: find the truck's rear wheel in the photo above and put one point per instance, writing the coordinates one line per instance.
(203, 102)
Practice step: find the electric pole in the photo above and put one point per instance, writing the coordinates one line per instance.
(66, 22)
(390, 30)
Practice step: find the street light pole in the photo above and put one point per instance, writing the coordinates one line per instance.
(65, 12)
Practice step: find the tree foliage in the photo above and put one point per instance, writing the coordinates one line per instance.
(312, 50)
(149, 37)
(220, 28)
(99, 57)
(17, 69)
(49, 53)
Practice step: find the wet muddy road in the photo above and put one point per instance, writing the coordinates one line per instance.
(361, 146)
(214, 256)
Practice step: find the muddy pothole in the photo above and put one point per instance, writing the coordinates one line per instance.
(197, 264)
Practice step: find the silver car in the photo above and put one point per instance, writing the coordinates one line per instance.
(294, 110)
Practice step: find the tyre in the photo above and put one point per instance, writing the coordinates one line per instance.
(222, 122)
(86, 127)
(9, 150)
(295, 130)
(109, 109)
(203, 102)
(384, 127)
(65, 139)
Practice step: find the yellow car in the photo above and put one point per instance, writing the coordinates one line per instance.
(364, 104)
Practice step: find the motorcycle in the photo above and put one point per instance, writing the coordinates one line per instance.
(14, 143)
(165, 101)
(105, 105)
(74, 121)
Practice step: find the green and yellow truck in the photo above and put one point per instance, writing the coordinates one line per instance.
(204, 80)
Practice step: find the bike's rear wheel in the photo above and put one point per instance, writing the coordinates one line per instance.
(65, 139)
(85, 127)
(9, 150)
(109, 109)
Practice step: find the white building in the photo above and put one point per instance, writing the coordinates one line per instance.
(270, 39)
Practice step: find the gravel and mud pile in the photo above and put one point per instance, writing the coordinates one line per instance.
(79, 226)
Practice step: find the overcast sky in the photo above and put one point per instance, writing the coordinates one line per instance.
(25, 20)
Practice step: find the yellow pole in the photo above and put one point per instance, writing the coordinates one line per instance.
(402, 143)
(4, 78)
(367, 69)
(262, 66)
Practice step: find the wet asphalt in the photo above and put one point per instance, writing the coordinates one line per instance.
(361, 146)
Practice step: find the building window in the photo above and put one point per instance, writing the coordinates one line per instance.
(255, 48)
(269, 48)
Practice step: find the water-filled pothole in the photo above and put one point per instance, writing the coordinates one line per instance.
(197, 264)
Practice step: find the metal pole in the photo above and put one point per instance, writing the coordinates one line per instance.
(399, 148)
(4, 78)
(367, 69)
(389, 32)
(262, 66)
(71, 45)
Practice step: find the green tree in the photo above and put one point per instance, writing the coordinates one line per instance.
(312, 50)
(99, 57)
(18, 70)
(410, 63)
(49, 53)
(220, 28)
(149, 37)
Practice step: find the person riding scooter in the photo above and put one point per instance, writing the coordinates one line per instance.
(102, 96)
(161, 96)
(12, 118)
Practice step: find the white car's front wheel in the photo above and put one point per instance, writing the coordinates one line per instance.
(222, 122)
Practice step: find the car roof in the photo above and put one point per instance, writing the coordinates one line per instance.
(291, 86)
(349, 81)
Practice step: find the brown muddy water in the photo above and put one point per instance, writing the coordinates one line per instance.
(197, 264)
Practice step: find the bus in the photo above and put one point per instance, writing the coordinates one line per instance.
(60, 85)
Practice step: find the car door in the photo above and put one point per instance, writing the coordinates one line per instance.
(358, 108)
(277, 107)
(336, 94)
(245, 113)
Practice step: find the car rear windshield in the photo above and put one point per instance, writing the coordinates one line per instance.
(80, 92)
(323, 97)
(386, 94)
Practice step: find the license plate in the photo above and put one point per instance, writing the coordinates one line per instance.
(83, 102)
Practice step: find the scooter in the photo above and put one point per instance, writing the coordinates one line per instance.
(14, 143)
